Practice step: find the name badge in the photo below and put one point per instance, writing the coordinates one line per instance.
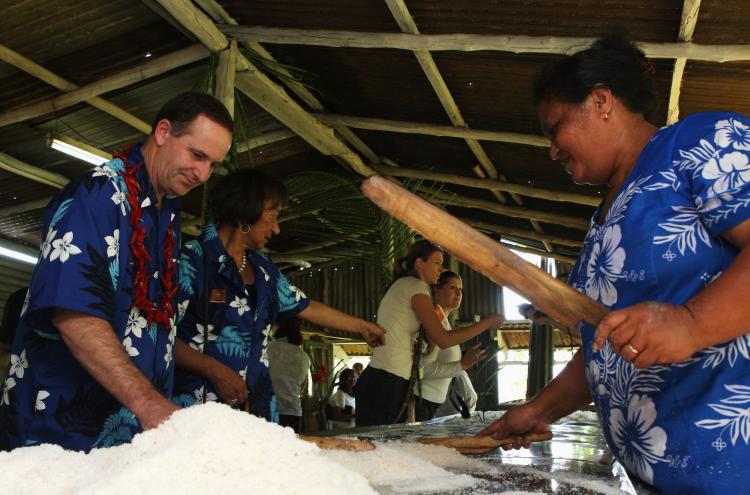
(218, 296)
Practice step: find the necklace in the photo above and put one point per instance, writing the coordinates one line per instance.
(162, 313)
(244, 262)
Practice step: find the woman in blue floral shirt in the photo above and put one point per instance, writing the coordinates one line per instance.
(669, 368)
(231, 294)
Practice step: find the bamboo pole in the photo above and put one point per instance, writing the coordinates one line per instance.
(475, 42)
(107, 84)
(36, 70)
(510, 211)
(269, 95)
(32, 172)
(528, 234)
(432, 129)
(36, 204)
(534, 192)
(564, 304)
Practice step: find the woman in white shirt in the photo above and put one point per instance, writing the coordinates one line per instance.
(383, 386)
(444, 364)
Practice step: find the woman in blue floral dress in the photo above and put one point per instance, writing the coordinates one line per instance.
(669, 368)
(231, 294)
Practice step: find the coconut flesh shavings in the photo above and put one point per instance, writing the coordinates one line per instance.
(211, 448)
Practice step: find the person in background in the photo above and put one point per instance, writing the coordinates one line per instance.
(232, 293)
(94, 347)
(288, 365)
(446, 363)
(384, 386)
(11, 316)
(358, 369)
(667, 252)
(342, 403)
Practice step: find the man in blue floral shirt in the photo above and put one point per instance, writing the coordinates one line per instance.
(92, 359)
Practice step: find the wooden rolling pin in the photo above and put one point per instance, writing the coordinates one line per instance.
(561, 302)
(338, 443)
(480, 445)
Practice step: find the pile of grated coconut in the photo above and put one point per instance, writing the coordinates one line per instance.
(213, 449)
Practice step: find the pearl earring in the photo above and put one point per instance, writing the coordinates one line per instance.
(606, 116)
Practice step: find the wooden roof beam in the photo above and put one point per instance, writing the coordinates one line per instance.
(269, 95)
(32, 172)
(476, 42)
(116, 81)
(688, 21)
(432, 130)
(36, 70)
(524, 234)
(492, 185)
(447, 198)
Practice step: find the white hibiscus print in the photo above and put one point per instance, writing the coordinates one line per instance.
(168, 354)
(265, 273)
(732, 133)
(298, 294)
(113, 243)
(119, 197)
(198, 339)
(243, 373)
(10, 382)
(102, 171)
(47, 244)
(136, 323)
(182, 309)
(129, 348)
(200, 392)
(40, 396)
(266, 338)
(605, 266)
(240, 304)
(729, 172)
(638, 443)
(64, 248)
(18, 364)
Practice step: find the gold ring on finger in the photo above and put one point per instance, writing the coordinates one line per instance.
(632, 349)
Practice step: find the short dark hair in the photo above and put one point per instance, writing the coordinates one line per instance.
(421, 249)
(445, 277)
(290, 329)
(240, 197)
(612, 62)
(345, 375)
(184, 108)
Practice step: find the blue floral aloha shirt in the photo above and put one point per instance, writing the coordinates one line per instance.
(238, 323)
(683, 428)
(85, 266)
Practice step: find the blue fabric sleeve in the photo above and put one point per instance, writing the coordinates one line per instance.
(79, 266)
(292, 301)
(717, 167)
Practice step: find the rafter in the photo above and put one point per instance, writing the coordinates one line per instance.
(267, 94)
(688, 21)
(432, 129)
(447, 198)
(492, 185)
(30, 67)
(116, 81)
(476, 42)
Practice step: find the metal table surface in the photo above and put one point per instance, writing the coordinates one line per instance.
(576, 460)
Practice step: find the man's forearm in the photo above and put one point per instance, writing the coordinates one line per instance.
(93, 342)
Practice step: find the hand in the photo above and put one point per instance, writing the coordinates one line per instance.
(650, 333)
(229, 385)
(473, 356)
(493, 321)
(373, 333)
(517, 423)
(155, 412)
